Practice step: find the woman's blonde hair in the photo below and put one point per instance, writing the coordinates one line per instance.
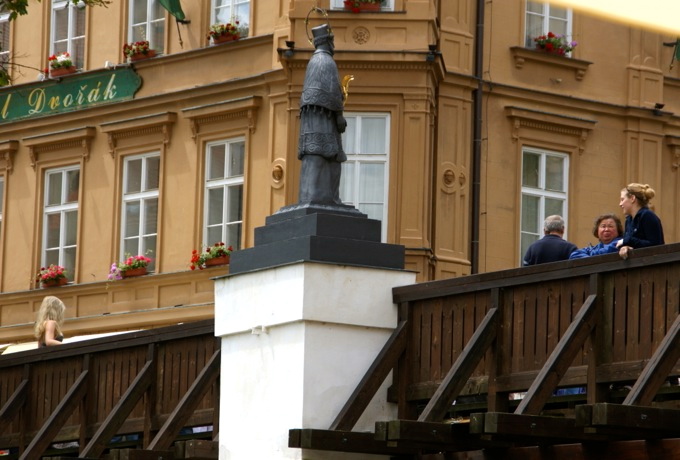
(51, 308)
(642, 192)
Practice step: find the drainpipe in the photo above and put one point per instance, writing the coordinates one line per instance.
(477, 137)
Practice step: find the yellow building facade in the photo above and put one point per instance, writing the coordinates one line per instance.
(462, 137)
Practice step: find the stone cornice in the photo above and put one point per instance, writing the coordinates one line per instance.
(80, 138)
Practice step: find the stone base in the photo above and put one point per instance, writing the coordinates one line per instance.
(318, 233)
(296, 341)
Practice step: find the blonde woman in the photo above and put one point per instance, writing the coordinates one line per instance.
(49, 322)
(643, 227)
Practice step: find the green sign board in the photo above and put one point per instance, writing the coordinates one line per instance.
(74, 92)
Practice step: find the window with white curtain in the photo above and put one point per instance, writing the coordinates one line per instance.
(364, 180)
(141, 174)
(545, 176)
(147, 23)
(385, 5)
(68, 30)
(232, 11)
(60, 218)
(4, 36)
(223, 214)
(542, 18)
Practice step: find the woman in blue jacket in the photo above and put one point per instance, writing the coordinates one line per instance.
(608, 230)
(643, 227)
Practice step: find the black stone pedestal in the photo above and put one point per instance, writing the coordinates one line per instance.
(318, 233)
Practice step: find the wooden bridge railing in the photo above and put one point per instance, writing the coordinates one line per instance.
(150, 383)
(589, 323)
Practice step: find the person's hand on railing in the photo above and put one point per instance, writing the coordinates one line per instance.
(625, 251)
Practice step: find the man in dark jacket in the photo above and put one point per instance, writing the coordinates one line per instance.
(551, 247)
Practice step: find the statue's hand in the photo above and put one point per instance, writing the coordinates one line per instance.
(341, 123)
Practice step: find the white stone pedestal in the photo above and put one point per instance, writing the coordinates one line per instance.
(296, 340)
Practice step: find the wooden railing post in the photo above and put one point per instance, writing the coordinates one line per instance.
(599, 341)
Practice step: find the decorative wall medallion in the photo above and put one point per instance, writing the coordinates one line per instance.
(361, 35)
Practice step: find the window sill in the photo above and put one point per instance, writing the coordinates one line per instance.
(521, 55)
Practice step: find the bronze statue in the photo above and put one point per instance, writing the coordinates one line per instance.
(321, 124)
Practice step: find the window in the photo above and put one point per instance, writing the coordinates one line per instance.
(230, 11)
(542, 18)
(364, 179)
(544, 192)
(147, 22)
(141, 175)
(68, 30)
(385, 5)
(224, 192)
(4, 36)
(60, 220)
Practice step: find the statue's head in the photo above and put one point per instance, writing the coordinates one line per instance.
(322, 35)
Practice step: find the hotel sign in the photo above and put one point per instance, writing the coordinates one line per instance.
(74, 92)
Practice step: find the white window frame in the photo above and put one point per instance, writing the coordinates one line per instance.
(541, 193)
(244, 22)
(387, 5)
(355, 156)
(142, 196)
(546, 17)
(63, 208)
(77, 54)
(223, 183)
(4, 37)
(147, 25)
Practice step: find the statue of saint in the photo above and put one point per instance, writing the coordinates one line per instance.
(321, 124)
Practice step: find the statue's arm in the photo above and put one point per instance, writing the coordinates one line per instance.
(340, 121)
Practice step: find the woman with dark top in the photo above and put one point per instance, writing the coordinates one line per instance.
(608, 230)
(49, 322)
(643, 227)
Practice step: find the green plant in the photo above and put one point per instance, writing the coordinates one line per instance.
(554, 43)
(198, 259)
(355, 5)
(140, 47)
(60, 61)
(219, 30)
(130, 263)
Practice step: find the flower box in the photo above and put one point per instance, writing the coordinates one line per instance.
(356, 6)
(132, 272)
(142, 56)
(222, 260)
(54, 282)
(217, 39)
(61, 71)
(217, 254)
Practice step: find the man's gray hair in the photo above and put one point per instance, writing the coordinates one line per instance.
(553, 224)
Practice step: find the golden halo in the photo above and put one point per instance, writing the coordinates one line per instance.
(320, 11)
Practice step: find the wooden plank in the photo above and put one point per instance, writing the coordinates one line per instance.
(517, 330)
(533, 428)
(657, 369)
(560, 359)
(657, 255)
(628, 422)
(344, 441)
(120, 412)
(186, 405)
(646, 311)
(11, 408)
(199, 448)
(384, 362)
(448, 313)
(436, 341)
(633, 317)
(425, 342)
(462, 368)
(451, 437)
(57, 419)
